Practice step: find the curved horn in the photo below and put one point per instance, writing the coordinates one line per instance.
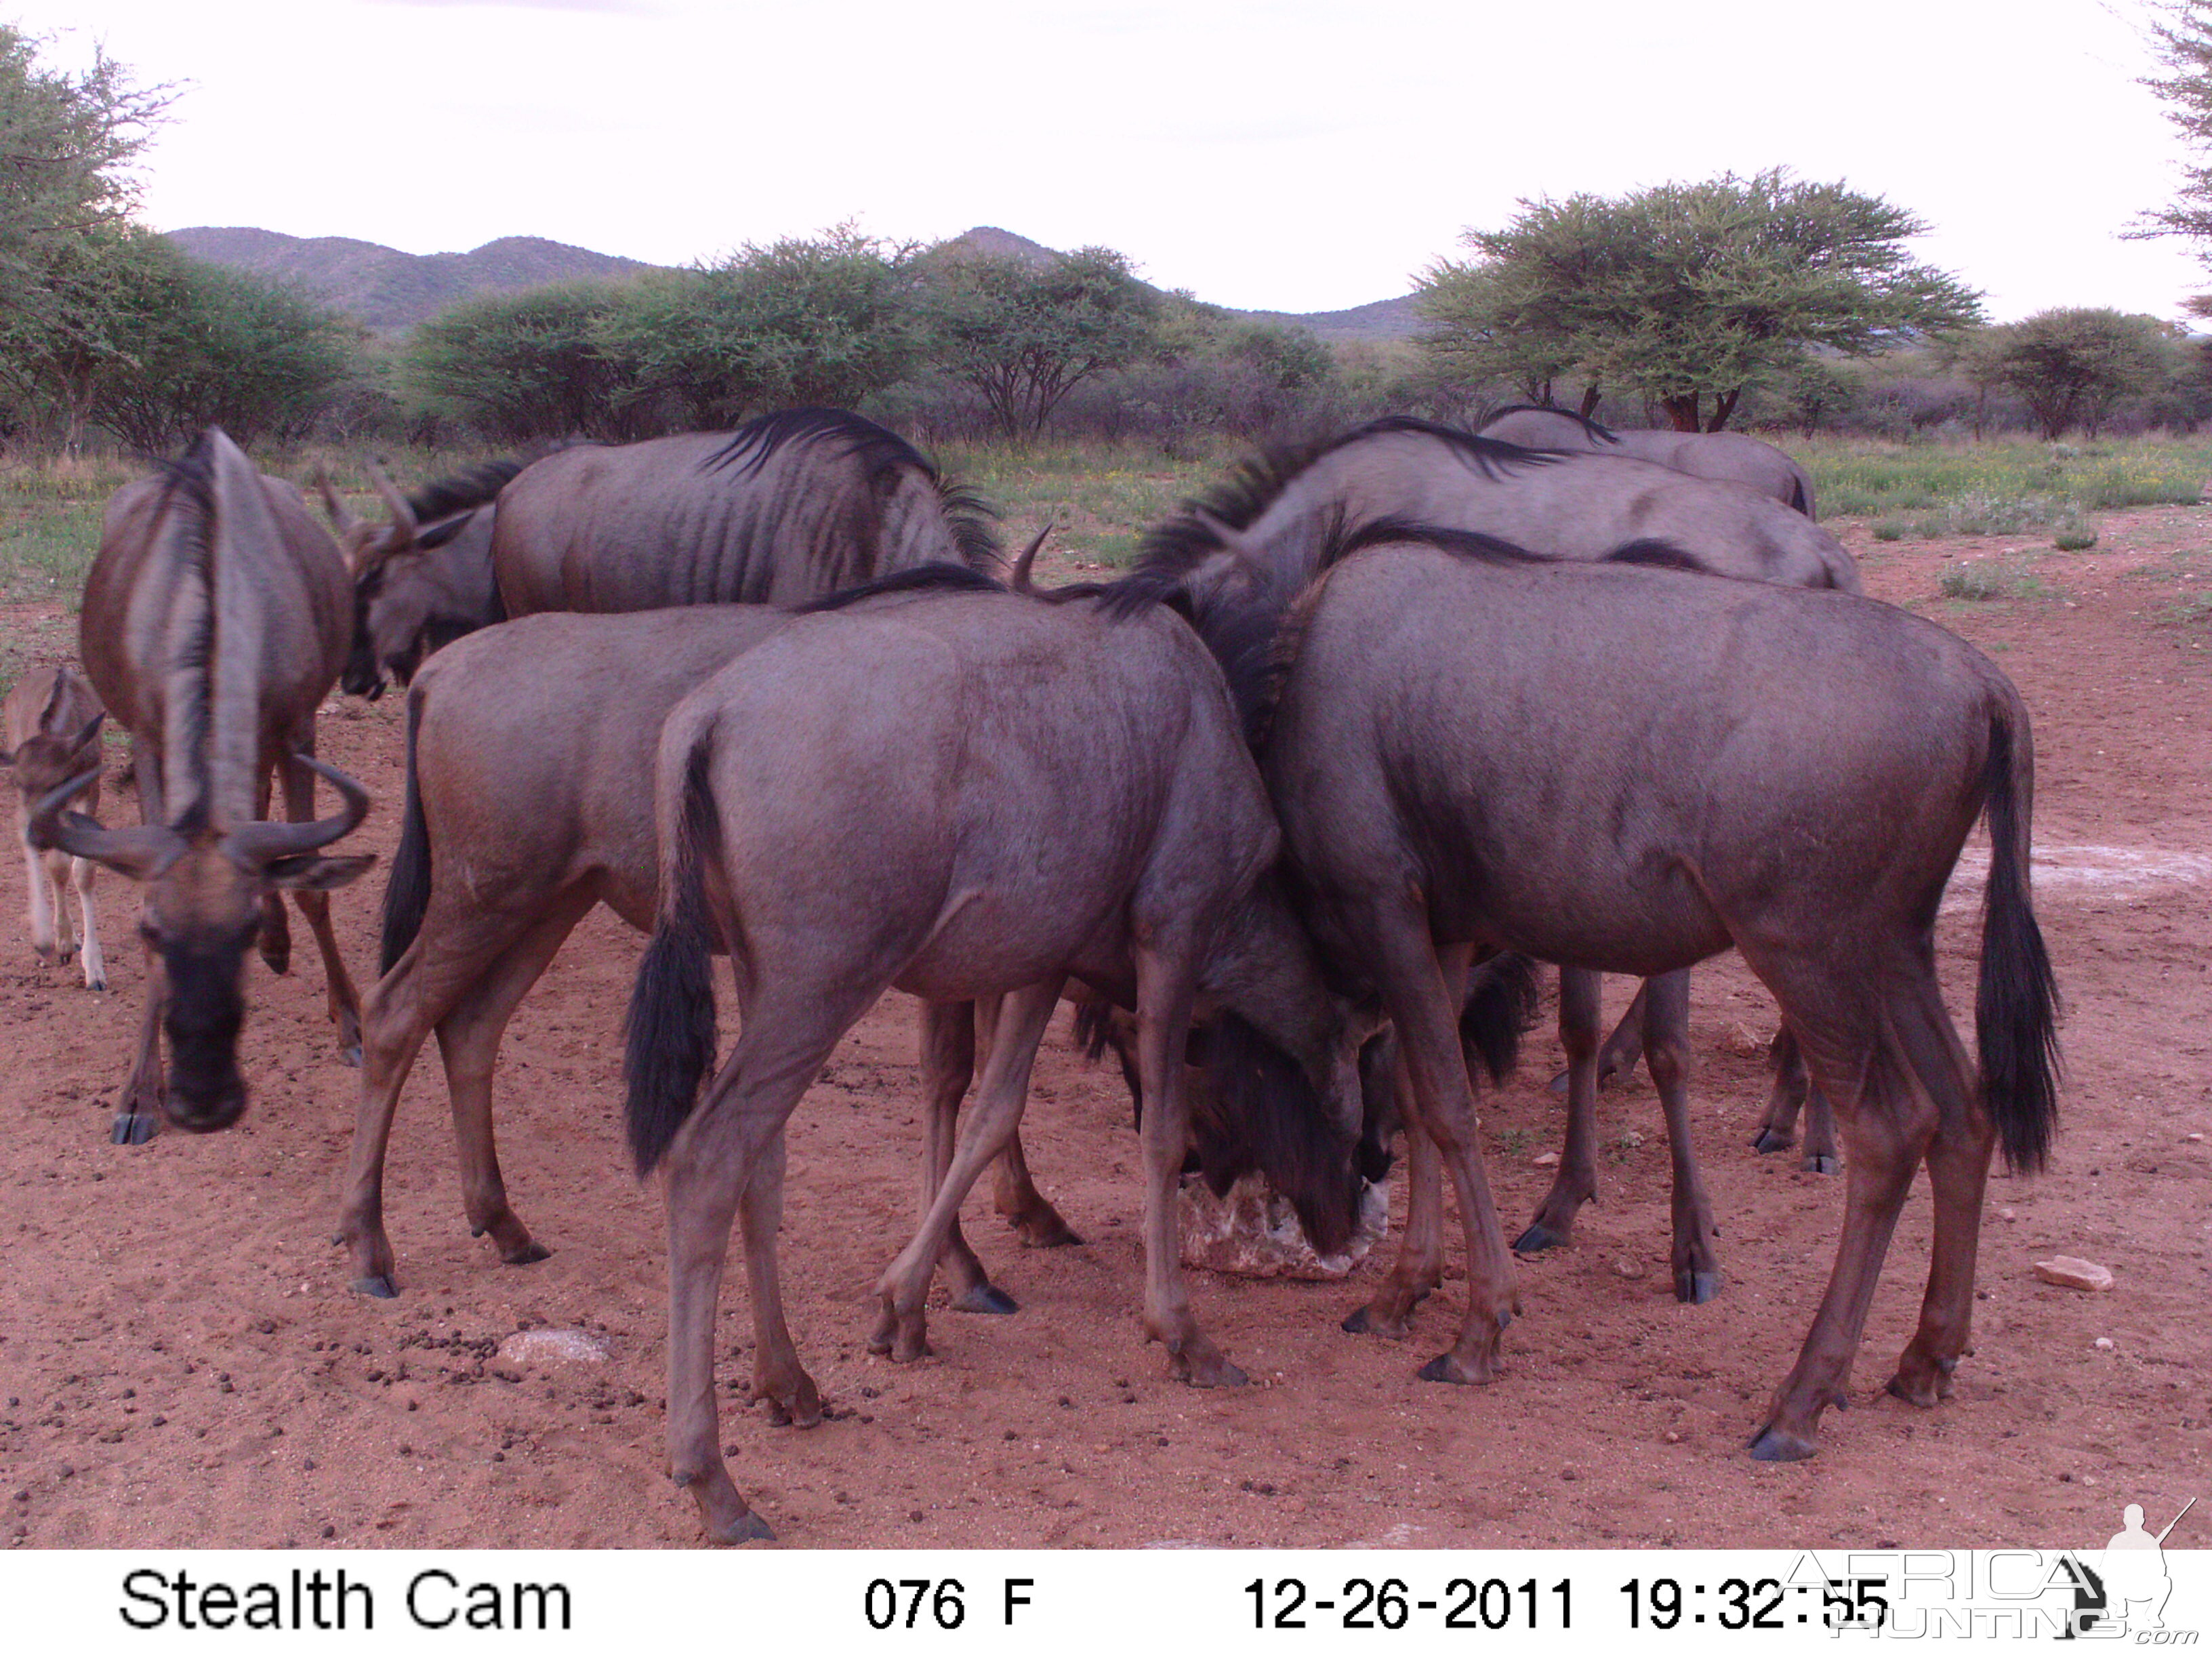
(401, 535)
(257, 844)
(141, 853)
(340, 515)
(1020, 579)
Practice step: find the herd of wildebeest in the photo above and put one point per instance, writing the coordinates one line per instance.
(1291, 810)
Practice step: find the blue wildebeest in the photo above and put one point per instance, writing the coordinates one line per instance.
(1014, 792)
(422, 580)
(1284, 506)
(1724, 457)
(53, 733)
(482, 896)
(1727, 458)
(216, 620)
(1630, 768)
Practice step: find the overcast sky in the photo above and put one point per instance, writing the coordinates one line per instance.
(1284, 155)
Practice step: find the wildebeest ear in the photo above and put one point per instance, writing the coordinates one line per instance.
(313, 872)
(84, 738)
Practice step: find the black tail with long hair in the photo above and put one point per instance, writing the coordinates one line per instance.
(671, 1030)
(2016, 1005)
(407, 891)
(1499, 1008)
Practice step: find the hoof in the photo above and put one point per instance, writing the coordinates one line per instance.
(531, 1252)
(1538, 1237)
(131, 1130)
(747, 1528)
(1772, 1140)
(1558, 1084)
(95, 985)
(1696, 1287)
(1449, 1367)
(379, 1285)
(1208, 1370)
(1042, 1229)
(1356, 1323)
(987, 1300)
(1774, 1445)
(1822, 1165)
(351, 1056)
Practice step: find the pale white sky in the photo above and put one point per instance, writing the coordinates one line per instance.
(1268, 154)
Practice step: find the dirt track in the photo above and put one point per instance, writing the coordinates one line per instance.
(182, 1364)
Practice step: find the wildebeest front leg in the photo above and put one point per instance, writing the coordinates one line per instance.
(901, 1327)
(948, 1061)
(274, 943)
(138, 1112)
(1576, 1184)
(1014, 1194)
(83, 872)
(1420, 1268)
(43, 903)
(1793, 1091)
(344, 1002)
(1165, 988)
(1695, 1259)
(1426, 1016)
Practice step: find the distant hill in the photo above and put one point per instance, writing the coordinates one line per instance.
(388, 290)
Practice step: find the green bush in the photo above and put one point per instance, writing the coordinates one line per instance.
(1890, 529)
(2076, 536)
(1979, 581)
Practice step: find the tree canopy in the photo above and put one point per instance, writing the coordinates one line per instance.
(1025, 335)
(1687, 295)
(2071, 365)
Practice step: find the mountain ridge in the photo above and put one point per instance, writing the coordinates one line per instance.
(388, 290)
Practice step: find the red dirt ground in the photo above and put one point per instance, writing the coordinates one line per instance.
(182, 1364)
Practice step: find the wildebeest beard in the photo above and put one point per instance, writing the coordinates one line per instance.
(206, 1011)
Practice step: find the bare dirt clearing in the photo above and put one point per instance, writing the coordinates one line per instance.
(181, 1364)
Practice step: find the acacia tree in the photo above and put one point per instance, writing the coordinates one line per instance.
(825, 320)
(1687, 294)
(524, 366)
(2181, 34)
(66, 143)
(1024, 336)
(2071, 365)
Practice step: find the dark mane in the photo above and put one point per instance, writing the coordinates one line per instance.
(1255, 485)
(1658, 555)
(462, 491)
(188, 491)
(915, 579)
(1603, 433)
(882, 454)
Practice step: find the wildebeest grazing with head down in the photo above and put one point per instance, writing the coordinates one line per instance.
(52, 723)
(216, 619)
(1013, 791)
(1724, 457)
(1628, 769)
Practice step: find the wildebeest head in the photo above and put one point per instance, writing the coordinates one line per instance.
(57, 749)
(421, 580)
(205, 885)
(1281, 1053)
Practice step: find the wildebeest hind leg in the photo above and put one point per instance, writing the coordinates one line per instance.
(727, 1160)
(1576, 1184)
(901, 1328)
(1034, 1218)
(1958, 1170)
(1420, 1268)
(1694, 1258)
(468, 1041)
(1887, 1125)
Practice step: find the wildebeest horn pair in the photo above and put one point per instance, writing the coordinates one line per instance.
(143, 852)
(365, 545)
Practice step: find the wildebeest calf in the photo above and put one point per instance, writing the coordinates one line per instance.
(52, 721)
